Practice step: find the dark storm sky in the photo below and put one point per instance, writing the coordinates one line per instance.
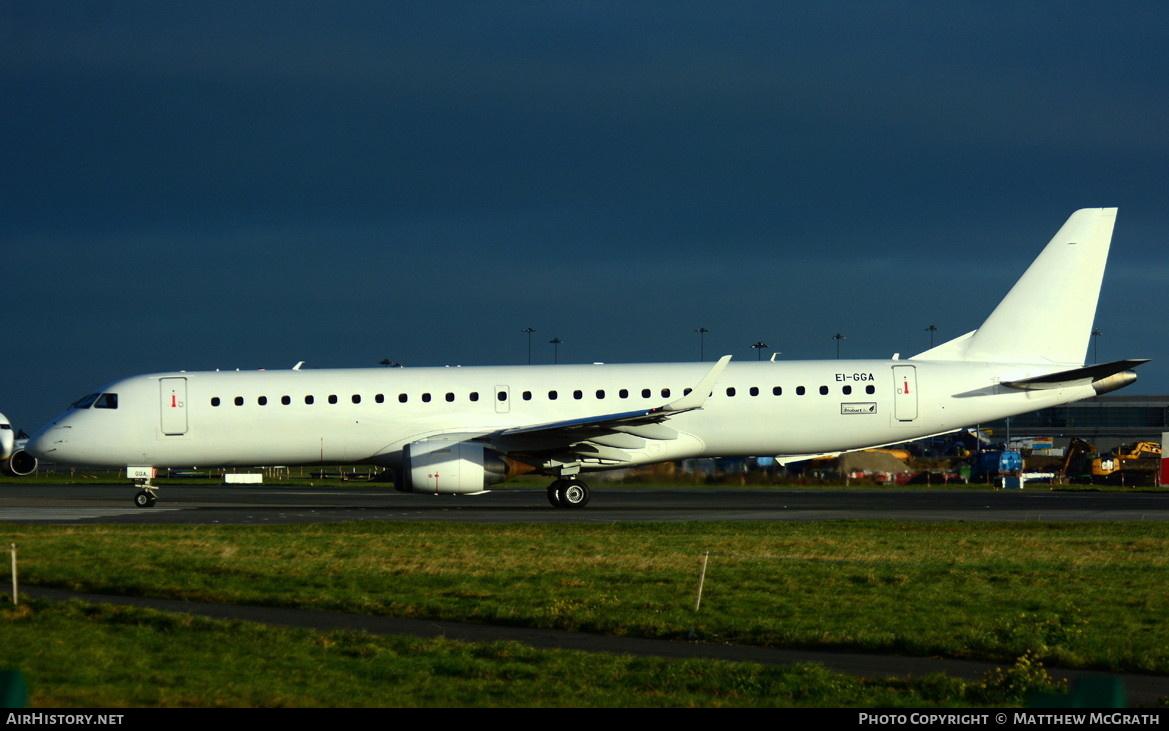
(249, 184)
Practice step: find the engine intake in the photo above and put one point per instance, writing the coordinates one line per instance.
(444, 467)
(21, 463)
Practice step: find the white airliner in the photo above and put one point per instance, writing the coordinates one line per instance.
(14, 461)
(460, 430)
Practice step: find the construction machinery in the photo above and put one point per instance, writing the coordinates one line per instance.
(1129, 464)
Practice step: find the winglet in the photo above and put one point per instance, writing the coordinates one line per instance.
(696, 398)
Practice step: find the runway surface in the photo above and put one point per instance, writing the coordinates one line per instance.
(223, 504)
(220, 504)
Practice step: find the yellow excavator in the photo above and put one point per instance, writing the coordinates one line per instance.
(1128, 464)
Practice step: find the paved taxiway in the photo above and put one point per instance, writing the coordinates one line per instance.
(218, 504)
(222, 504)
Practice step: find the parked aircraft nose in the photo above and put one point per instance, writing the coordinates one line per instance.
(7, 440)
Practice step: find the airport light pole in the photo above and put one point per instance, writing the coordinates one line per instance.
(759, 346)
(1096, 345)
(931, 330)
(838, 337)
(702, 342)
(529, 331)
(555, 349)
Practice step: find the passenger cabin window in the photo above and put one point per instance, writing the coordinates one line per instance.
(262, 401)
(823, 390)
(645, 393)
(730, 390)
(402, 398)
(239, 400)
(426, 398)
(474, 396)
(214, 400)
(800, 390)
(754, 390)
(286, 400)
(380, 398)
(551, 395)
(776, 391)
(870, 389)
(623, 393)
(450, 396)
(309, 400)
(332, 398)
(356, 399)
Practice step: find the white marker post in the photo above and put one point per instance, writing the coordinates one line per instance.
(15, 597)
(701, 581)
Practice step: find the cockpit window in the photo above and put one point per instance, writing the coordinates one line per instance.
(85, 402)
(106, 401)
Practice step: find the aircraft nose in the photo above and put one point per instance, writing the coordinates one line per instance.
(45, 442)
(33, 446)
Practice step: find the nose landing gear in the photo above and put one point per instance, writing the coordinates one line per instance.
(146, 497)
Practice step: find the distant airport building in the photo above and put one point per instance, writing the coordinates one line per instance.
(1106, 421)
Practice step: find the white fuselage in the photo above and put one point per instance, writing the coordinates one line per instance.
(457, 430)
(352, 416)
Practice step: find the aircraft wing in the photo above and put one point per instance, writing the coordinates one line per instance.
(692, 400)
(606, 434)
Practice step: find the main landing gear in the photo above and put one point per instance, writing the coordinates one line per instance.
(568, 493)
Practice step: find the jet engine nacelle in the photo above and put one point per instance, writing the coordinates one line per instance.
(14, 461)
(21, 463)
(445, 467)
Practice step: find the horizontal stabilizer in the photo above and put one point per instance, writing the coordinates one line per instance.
(1091, 374)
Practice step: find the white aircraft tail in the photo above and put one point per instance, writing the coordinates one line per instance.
(1047, 316)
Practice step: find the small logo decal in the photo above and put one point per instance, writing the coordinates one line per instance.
(863, 408)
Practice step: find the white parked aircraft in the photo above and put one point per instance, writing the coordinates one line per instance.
(460, 430)
(14, 461)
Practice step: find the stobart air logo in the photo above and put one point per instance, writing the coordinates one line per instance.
(869, 407)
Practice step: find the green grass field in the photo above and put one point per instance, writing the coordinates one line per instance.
(98, 656)
(1081, 595)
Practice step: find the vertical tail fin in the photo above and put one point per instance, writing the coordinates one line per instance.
(1047, 316)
